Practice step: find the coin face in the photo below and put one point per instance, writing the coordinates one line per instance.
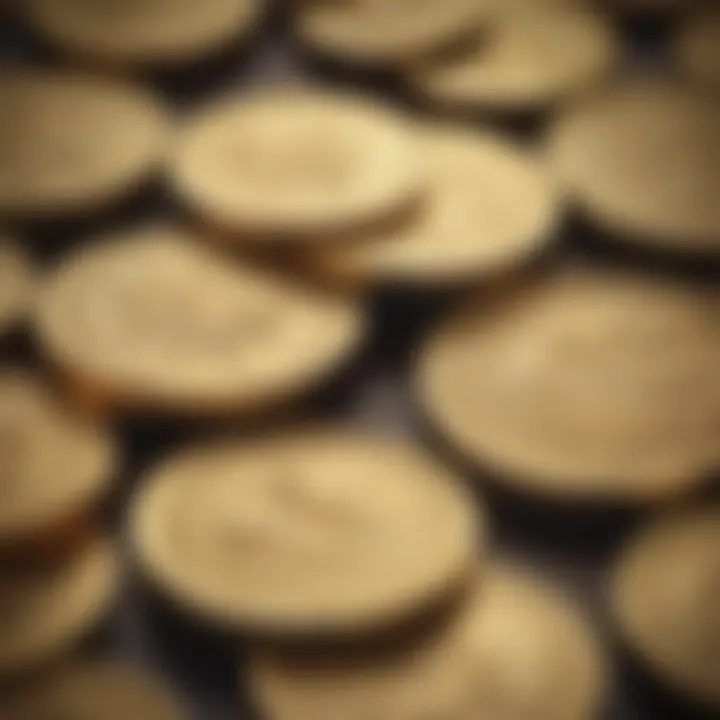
(587, 385)
(518, 649)
(16, 284)
(44, 611)
(490, 206)
(363, 530)
(155, 320)
(53, 464)
(55, 158)
(664, 596)
(379, 32)
(297, 162)
(643, 159)
(698, 48)
(102, 691)
(143, 31)
(536, 56)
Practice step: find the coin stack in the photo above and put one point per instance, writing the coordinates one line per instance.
(362, 573)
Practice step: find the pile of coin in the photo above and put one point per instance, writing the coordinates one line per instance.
(363, 567)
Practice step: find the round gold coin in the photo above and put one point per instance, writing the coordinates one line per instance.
(587, 385)
(519, 648)
(43, 611)
(490, 206)
(16, 284)
(698, 48)
(319, 531)
(53, 464)
(71, 144)
(140, 32)
(642, 160)
(294, 162)
(99, 691)
(664, 596)
(388, 32)
(535, 57)
(154, 320)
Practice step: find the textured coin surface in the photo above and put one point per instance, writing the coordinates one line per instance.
(319, 531)
(519, 648)
(586, 384)
(535, 56)
(53, 464)
(143, 31)
(643, 160)
(698, 48)
(101, 691)
(490, 206)
(665, 598)
(16, 284)
(297, 161)
(55, 158)
(154, 319)
(388, 31)
(43, 611)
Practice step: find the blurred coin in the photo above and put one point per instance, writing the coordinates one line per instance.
(316, 532)
(44, 611)
(490, 207)
(665, 597)
(53, 463)
(135, 32)
(586, 385)
(388, 32)
(698, 48)
(153, 320)
(643, 161)
(16, 284)
(295, 162)
(101, 691)
(533, 57)
(71, 144)
(519, 648)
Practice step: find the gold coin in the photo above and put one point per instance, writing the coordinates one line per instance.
(100, 691)
(53, 463)
(519, 648)
(44, 611)
(132, 32)
(318, 531)
(698, 48)
(16, 284)
(295, 162)
(643, 160)
(387, 32)
(535, 57)
(664, 596)
(589, 385)
(154, 320)
(490, 207)
(55, 156)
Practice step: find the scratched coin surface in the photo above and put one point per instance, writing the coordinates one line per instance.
(296, 161)
(588, 384)
(55, 158)
(16, 284)
(490, 207)
(320, 531)
(665, 596)
(53, 463)
(132, 32)
(518, 648)
(44, 611)
(155, 319)
(642, 161)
